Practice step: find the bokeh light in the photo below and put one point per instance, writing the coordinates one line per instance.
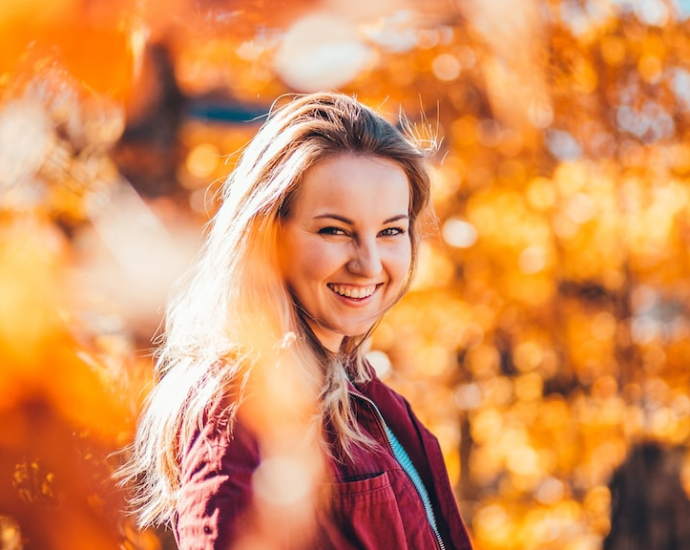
(546, 334)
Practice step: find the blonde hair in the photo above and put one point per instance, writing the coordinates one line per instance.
(211, 341)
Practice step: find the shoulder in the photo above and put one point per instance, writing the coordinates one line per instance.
(220, 441)
(381, 393)
(216, 481)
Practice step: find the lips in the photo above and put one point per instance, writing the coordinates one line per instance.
(355, 292)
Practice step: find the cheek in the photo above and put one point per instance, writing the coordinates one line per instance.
(309, 264)
(400, 262)
(314, 267)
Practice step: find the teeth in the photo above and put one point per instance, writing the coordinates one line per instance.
(350, 292)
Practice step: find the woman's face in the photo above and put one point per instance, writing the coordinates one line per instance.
(345, 246)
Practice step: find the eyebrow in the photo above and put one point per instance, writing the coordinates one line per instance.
(348, 221)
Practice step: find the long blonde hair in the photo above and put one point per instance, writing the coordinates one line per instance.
(234, 310)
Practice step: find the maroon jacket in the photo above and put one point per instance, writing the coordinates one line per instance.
(375, 505)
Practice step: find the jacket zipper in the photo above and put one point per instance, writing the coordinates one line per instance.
(382, 425)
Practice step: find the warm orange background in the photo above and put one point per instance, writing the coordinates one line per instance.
(548, 329)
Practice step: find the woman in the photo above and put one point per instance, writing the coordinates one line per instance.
(316, 239)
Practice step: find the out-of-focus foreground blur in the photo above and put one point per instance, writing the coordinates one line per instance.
(547, 334)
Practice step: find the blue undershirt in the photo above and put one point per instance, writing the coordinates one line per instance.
(404, 459)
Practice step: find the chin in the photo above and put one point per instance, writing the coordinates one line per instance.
(357, 332)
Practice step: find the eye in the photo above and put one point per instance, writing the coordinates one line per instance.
(331, 231)
(392, 232)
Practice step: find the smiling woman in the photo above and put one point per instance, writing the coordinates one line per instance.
(267, 427)
(345, 244)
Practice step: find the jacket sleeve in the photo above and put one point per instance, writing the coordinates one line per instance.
(216, 487)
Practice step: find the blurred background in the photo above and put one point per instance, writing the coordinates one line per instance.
(546, 340)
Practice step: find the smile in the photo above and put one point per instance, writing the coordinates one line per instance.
(355, 292)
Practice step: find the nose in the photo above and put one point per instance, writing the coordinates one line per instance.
(366, 259)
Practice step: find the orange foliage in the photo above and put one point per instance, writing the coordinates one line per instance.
(546, 332)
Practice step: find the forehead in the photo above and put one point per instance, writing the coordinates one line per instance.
(354, 184)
